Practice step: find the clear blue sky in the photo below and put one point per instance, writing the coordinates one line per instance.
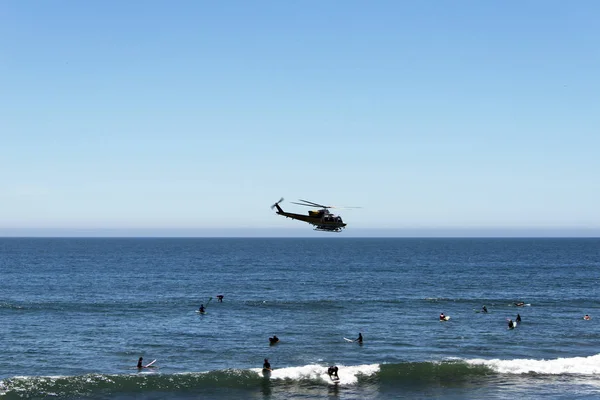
(195, 116)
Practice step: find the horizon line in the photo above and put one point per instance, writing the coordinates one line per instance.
(299, 237)
(417, 233)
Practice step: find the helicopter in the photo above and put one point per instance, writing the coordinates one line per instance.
(322, 219)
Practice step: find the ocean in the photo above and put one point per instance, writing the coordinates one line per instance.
(77, 313)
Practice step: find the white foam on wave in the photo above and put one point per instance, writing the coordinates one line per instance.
(348, 374)
(573, 365)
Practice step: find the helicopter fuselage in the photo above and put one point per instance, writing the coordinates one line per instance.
(323, 220)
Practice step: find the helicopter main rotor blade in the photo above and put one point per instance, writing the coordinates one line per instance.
(315, 204)
(302, 204)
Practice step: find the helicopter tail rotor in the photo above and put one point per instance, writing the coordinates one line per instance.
(276, 204)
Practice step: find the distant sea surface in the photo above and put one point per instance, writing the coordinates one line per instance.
(76, 314)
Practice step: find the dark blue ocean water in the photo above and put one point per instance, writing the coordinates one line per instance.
(75, 315)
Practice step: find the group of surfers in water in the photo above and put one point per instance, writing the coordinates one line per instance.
(202, 309)
(484, 309)
(332, 371)
(511, 324)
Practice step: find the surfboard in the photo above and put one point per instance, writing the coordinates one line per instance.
(149, 364)
(348, 340)
(200, 312)
(514, 325)
(446, 318)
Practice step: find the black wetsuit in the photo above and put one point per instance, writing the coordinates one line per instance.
(333, 371)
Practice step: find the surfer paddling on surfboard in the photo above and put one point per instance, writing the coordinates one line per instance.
(273, 340)
(444, 317)
(140, 364)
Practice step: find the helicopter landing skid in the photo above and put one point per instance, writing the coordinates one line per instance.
(318, 228)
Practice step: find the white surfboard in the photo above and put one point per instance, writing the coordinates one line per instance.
(149, 364)
(348, 340)
(446, 318)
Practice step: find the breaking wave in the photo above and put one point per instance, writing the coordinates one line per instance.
(154, 383)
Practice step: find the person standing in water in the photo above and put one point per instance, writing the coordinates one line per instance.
(139, 365)
(267, 365)
(359, 339)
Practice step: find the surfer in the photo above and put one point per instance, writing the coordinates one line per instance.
(274, 339)
(332, 371)
(442, 317)
(267, 365)
(519, 304)
(510, 324)
(518, 318)
(220, 298)
(201, 309)
(359, 339)
(484, 309)
(140, 362)
(587, 317)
